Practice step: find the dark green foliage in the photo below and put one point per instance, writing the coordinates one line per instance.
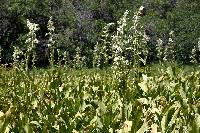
(79, 23)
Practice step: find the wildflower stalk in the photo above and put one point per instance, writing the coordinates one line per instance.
(103, 48)
(120, 63)
(160, 50)
(59, 62)
(78, 60)
(51, 43)
(118, 45)
(65, 58)
(193, 54)
(139, 44)
(31, 43)
(16, 54)
(194, 51)
(169, 52)
(96, 56)
(128, 40)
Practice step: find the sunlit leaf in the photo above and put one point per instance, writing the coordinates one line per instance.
(144, 128)
(143, 86)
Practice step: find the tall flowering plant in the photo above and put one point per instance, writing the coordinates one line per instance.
(194, 55)
(31, 42)
(51, 43)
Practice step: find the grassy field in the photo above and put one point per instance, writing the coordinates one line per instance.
(128, 95)
(164, 99)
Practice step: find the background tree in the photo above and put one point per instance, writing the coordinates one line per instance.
(79, 23)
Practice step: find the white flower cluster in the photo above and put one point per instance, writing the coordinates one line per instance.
(31, 42)
(51, 29)
(118, 43)
(32, 27)
(129, 41)
(126, 48)
(16, 54)
(31, 36)
(122, 23)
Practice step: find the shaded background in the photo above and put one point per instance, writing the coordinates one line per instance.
(79, 23)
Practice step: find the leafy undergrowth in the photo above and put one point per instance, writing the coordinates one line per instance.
(165, 99)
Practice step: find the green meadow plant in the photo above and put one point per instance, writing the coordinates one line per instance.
(60, 58)
(166, 53)
(195, 49)
(139, 43)
(99, 101)
(170, 49)
(119, 45)
(128, 41)
(17, 62)
(51, 43)
(31, 42)
(126, 48)
(79, 60)
(102, 50)
(193, 54)
(65, 59)
(160, 50)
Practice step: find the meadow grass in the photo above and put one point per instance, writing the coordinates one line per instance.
(166, 99)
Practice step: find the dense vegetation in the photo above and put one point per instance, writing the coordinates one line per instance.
(165, 99)
(108, 69)
(79, 24)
